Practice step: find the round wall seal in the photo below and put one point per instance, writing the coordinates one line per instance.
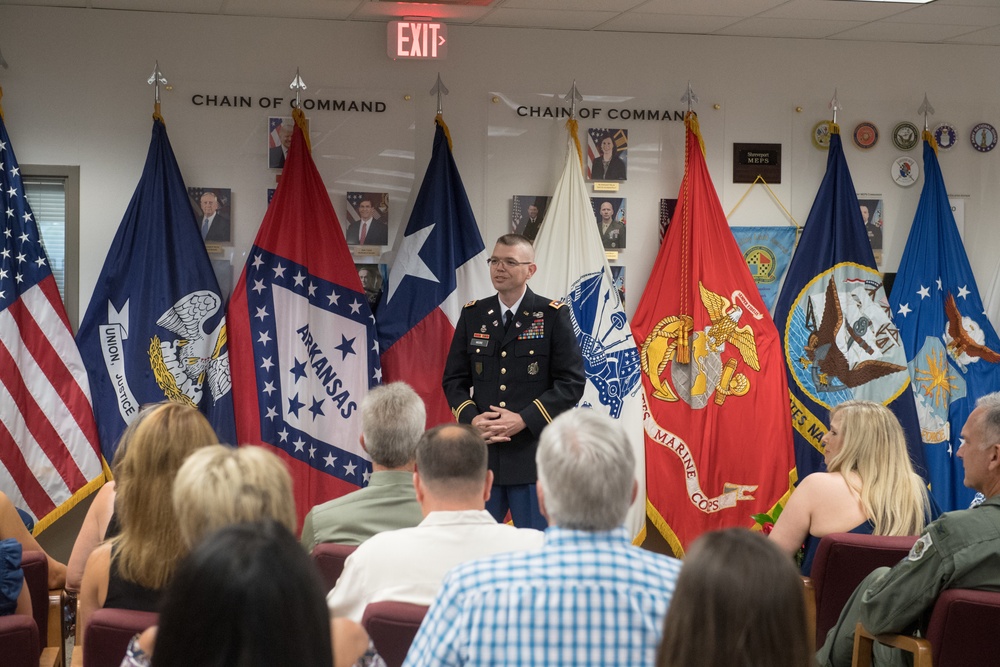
(865, 135)
(821, 135)
(905, 136)
(945, 136)
(983, 137)
(904, 171)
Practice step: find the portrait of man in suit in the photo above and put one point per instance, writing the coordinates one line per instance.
(528, 213)
(211, 206)
(279, 138)
(368, 218)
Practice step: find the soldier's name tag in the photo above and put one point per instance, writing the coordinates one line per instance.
(479, 342)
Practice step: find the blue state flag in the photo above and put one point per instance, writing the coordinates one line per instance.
(951, 347)
(155, 328)
(837, 328)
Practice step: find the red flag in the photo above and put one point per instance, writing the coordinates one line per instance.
(49, 454)
(718, 436)
(303, 346)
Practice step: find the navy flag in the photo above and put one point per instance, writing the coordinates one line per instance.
(155, 328)
(952, 349)
(837, 329)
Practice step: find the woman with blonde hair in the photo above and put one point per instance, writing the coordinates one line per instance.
(870, 486)
(129, 571)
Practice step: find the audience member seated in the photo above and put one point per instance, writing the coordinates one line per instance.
(392, 420)
(959, 550)
(587, 597)
(247, 595)
(738, 602)
(14, 596)
(870, 486)
(407, 565)
(12, 527)
(130, 571)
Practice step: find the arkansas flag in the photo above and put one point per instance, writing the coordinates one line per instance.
(572, 266)
(302, 338)
(155, 328)
(952, 350)
(718, 435)
(440, 266)
(49, 452)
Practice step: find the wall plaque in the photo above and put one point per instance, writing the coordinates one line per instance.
(753, 160)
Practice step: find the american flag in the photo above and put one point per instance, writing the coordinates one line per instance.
(49, 453)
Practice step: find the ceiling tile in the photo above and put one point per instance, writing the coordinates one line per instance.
(394, 10)
(951, 14)
(834, 10)
(185, 6)
(794, 28)
(296, 9)
(574, 5)
(666, 23)
(709, 7)
(546, 18)
(886, 31)
(990, 36)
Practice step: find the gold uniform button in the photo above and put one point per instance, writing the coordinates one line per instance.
(503, 371)
(503, 387)
(502, 354)
(531, 351)
(503, 404)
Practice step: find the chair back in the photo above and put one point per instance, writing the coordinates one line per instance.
(963, 628)
(330, 558)
(36, 577)
(392, 627)
(18, 641)
(842, 561)
(106, 637)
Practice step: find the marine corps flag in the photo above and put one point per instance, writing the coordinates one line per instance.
(952, 349)
(838, 334)
(440, 265)
(155, 328)
(572, 267)
(303, 338)
(50, 457)
(718, 437)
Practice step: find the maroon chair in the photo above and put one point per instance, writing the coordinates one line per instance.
(962, 631)
(18, 641)
(330, 558)
(36, 578)
(842, 561)
(106, 637)
(392, 627)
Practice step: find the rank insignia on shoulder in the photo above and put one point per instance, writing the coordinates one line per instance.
(471, 303)
(920, 547)
(556, 303)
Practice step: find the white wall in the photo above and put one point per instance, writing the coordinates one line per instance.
(76, 94)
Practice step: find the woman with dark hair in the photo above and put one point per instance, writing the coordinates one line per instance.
(607, 166)
(738, 601)
(248, 595)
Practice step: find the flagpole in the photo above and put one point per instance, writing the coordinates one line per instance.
(298, 85)
(686, 326)
(440, 90)
(155, 79)
(835, 107)
(574, 96)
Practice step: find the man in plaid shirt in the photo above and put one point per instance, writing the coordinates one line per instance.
(588, 597)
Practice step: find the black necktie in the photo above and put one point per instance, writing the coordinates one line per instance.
(507, 317)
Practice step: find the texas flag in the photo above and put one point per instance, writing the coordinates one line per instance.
(440, 266)
(303, 344)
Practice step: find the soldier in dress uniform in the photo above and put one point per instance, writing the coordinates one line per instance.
(514, 365)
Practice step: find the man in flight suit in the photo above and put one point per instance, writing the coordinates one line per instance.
(959, 550)
(513, 366)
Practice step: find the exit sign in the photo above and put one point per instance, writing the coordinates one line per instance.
(417, 40)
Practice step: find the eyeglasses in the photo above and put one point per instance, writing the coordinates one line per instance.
(506, 261)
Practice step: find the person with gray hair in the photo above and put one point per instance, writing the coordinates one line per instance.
(452, 484)
(959, 550)
(392, 420)
(587, 597)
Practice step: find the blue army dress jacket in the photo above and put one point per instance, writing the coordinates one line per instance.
(534, 369)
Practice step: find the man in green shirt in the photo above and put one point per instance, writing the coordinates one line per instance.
(392, 421)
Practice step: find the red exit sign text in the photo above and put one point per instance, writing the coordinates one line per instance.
(417, 40)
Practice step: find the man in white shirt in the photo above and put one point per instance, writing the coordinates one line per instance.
(408, 565)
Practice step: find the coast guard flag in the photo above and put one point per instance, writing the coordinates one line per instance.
(838, 333)
(440, 266)
(302, 338)
(572, 267)
(717, 433)
(952, 349)
(155, 328)
(49, 452)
